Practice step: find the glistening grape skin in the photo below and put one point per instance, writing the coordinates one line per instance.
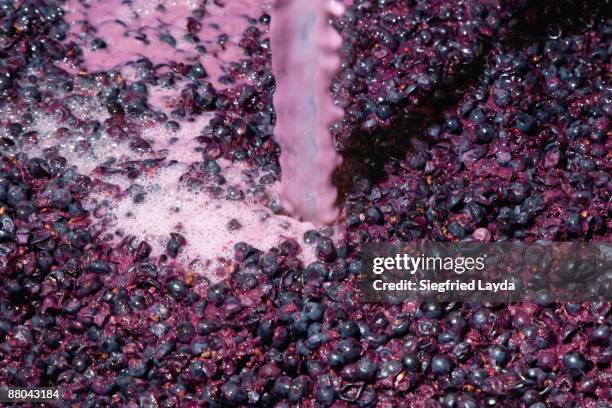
(147, 332)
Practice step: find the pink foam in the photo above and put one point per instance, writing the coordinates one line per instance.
(304, 59)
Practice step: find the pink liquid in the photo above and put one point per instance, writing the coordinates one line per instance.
(133, 30)
(304, 59)
(305, 112)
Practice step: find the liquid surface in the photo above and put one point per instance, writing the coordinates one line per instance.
(165, 31)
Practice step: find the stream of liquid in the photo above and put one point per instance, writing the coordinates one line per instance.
(304, 60)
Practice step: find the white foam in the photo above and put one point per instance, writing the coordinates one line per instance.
(179, 145)
(201, 219)
(85, 152)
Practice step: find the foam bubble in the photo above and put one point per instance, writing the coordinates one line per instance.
(203, 220)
